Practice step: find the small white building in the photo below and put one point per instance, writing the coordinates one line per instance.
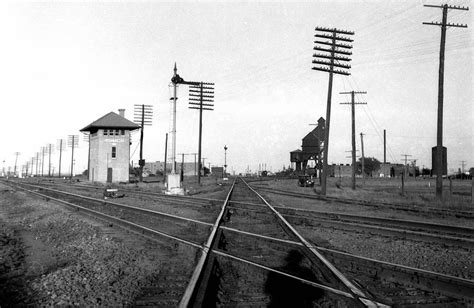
(109, 148)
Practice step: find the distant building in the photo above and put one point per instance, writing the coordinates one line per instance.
(217, 172)
(190, 168)
(109, 148)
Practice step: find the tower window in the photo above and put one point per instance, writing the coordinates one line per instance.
(114, 152)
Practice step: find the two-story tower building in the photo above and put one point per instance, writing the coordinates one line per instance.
(109, 147)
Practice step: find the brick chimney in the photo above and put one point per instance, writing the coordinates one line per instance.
(122, 112)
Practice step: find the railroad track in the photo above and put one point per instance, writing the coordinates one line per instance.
(251, 260)
(240, 237)
(379, 204)
(408, 229)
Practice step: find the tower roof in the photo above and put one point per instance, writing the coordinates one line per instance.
(111, 120)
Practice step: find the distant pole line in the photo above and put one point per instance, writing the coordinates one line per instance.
(353, 103)
(332, 55)
(439, 139)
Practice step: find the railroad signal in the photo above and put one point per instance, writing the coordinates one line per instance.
(201, 97)
(143, 115)
(334, 50)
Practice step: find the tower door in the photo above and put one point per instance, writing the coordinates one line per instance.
(109, 175)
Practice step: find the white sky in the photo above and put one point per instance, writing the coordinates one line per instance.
(65, 64)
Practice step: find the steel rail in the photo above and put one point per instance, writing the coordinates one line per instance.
(389, 231)
(399, 207)
(106, 217)
(355, 290)
(466, 231)
(204, 248)
(394, 229)
(447, 284)
(190, 289)
(314, 284)
(148, 211)
(159, 195)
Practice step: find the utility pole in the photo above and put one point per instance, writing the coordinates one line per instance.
(16, 160)
(439, 139)
(42, 160)
(353, 103)
(37, 161)
(143, 115)
(49, 163)
(73, 141)
(406, 162)
(363, 157)
(61, 142)
(463, 163)
(327, 61)
(384, 147)
(201, 97)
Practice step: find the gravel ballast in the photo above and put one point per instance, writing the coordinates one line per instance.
(51, 256)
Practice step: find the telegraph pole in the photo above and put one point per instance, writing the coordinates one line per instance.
(363, 157)
(406, 162)
(384, 147)
(327, 63)
(16, 160)
(353, 103)
(49, 163)
(439, 139)
(37, 161)
(201, 97)
(73, 141)
(61, 141)
(143, 115)
(42, 160)
(463, 163)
